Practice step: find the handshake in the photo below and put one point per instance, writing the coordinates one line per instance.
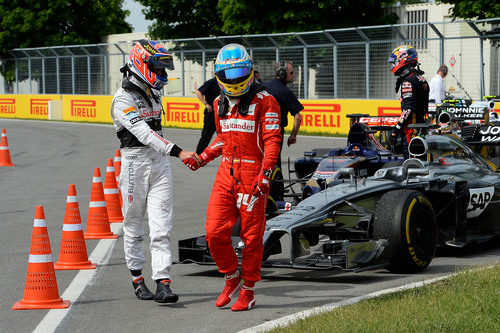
(196, 161)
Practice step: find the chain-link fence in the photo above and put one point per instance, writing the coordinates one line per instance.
(337, 63)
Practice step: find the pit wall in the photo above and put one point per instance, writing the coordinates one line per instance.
(319, 116)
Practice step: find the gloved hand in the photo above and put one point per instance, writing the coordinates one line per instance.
(192, 164)
(261, 185)
(195, 165)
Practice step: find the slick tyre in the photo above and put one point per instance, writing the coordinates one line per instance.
(407, 220)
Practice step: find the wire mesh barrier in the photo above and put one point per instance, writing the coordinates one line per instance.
(337, 63)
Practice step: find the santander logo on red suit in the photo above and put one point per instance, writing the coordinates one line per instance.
(237, 125)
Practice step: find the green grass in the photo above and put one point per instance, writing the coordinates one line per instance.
(467, 302)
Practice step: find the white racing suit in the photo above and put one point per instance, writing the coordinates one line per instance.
(146, 179)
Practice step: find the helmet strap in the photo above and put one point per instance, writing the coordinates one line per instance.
(223, 104)
(244, 103)
(247, 98)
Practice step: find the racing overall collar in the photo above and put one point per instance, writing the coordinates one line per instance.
(244, 102)
(406, 73)
(133, 83)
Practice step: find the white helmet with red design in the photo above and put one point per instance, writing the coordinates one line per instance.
(148, 61)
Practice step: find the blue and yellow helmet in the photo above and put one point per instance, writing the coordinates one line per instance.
(234, 70)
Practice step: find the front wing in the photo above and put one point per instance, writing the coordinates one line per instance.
(348, 255)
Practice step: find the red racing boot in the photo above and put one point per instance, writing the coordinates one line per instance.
(245, 301)
(233, 285)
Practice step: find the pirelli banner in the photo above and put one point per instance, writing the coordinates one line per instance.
(26, 106)
(319, 116)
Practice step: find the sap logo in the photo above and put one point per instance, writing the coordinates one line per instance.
(479, 199)
(237, 125)
(246, 200)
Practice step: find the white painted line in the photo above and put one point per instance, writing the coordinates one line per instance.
(287, 320)
(101, 255)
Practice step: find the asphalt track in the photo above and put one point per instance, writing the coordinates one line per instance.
(51, 155)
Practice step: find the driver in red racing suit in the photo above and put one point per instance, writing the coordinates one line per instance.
(247, 119)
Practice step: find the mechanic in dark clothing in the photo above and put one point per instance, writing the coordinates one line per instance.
(288, 103)
(207, 93)
(414, 93)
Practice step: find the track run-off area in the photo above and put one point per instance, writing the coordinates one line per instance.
(48, 156)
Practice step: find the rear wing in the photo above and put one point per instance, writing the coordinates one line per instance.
(467, 111)
(483, 135)
(379, 123)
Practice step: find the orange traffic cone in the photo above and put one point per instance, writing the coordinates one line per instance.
(111, 195)
(4, 151)
(73, 252)
(118, 164)
(97, 220)
(118, 169)
(40, 290)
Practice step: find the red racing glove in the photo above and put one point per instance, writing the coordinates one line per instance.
(262, 183)
(194, 165)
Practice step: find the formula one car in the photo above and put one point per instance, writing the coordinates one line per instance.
(364, 153)
(447, 194)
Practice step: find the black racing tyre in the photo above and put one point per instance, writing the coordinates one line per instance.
(271, 208)
(392, 164)
(407, 220)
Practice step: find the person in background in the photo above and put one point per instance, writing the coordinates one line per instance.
(414, 94)
(248, 138)
(146, 179)
(257, 77)
(207, 93)
(288, 102)
(437, 91)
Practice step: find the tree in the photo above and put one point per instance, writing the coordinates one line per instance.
(57, 22)
(270, 16)
(182, 18)
(474, 9)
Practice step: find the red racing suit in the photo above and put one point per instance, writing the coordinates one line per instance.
(248, 144)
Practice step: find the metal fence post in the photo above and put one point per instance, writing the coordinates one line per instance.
(441, 52)
(73, 75)
(43, 75)
(58, 81)
(204, 64)
(106, 75)
(182, 74)
(335, 73)
(88, 74)
(306, 72)
(29, 72)
(367, 69)
(481, 68)
(17, 80)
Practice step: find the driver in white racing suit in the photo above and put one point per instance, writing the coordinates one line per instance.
(146, 178)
